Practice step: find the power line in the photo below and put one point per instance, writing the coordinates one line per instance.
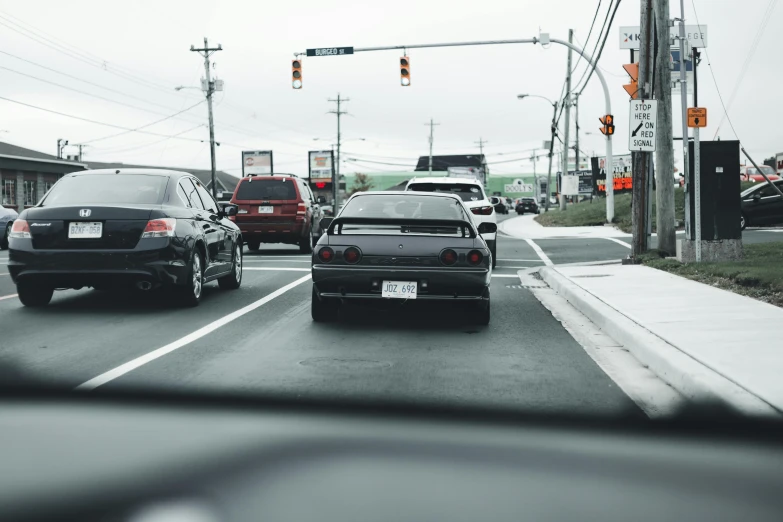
(138, 129)
(587, 40)
(116, 150)
(597, 58)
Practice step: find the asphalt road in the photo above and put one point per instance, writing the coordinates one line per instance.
(261, 338)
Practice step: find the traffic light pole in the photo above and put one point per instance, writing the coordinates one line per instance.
(551, 153)
(543, 40)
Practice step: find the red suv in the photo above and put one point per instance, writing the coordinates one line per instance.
(277, 208)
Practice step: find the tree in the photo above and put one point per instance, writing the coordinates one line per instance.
(361, 183)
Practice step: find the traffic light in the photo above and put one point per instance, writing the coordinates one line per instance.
(296, 74)
(632, 88)
(608, 125)
(405, 71)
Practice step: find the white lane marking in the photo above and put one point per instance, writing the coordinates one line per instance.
(618, 241)
(8, 296)
(504, 275)
(246, 260)
(522, 260)
(274, 268)
(179, 343)
(4, 273)
(540, 252)
(516, 267)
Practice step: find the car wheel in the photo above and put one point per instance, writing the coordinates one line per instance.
(743, 221)
(482, 314)
(253, 246)
(4, 237)
(306, 244)
(323, 310)
(190, 293)
(234, 279)
(34, 295)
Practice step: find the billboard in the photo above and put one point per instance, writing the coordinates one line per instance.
(622, 173)
(585, 182)
(257, 162)
(321, 165)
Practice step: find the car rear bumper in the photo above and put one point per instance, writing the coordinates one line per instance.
(156, 261)
(272, 231)
(358, 282)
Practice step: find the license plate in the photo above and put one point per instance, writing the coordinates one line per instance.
(85, 230)
(399, 289)
(264, 210)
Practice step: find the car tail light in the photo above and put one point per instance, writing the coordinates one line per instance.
(352, 255)
(482, 211)
(20, 230)
(326, 255)
(448, 257)
(163, 227)
(475, 257)
(301, 209)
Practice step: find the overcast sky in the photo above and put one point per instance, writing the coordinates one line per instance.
(136, 52)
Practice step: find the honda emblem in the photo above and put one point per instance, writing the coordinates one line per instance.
(85, 212)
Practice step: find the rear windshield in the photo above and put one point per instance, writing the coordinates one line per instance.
(766, 169)
(404, 206)
(466, 191)
(123, 189)
(266, 189)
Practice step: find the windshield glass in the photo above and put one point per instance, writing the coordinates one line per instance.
(465, 191)
(107, 189)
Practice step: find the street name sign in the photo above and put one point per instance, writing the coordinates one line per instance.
(330, 51)
(642, 127)
(696, 35)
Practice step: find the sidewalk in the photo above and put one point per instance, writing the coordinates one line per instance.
(526, 227)
(703, 341)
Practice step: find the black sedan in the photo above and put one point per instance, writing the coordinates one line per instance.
(762, 205)
(402, 245)
(139, 228)
(527, 205)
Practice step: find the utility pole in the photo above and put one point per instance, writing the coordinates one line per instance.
(481, 143)
(61, 143)
(576, 124)
(206, 52)
(567, 108)
(641, 159)
(664, 147)
(684, 107)
(432, 125)
(336, 170)
(551, 153)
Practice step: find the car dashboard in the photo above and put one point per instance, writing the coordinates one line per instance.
(152, 458)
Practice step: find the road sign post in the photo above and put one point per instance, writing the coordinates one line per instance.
(697, 118)
(643, 123)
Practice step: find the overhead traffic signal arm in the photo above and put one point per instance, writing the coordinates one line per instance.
(632, 88)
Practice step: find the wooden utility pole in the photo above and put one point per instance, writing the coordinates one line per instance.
(641, 159)
(206, 52)
(432, 136)
(567, 108)
(664, 147)
(336, 169)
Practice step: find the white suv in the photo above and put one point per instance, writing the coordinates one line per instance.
(472, 193)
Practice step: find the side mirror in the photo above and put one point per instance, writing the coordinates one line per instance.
(494, 200)
(321, 200)
(487, 228)
(757, 197)
(229, 209)
(326, 223)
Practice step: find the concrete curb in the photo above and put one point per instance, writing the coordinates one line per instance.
(685, 374)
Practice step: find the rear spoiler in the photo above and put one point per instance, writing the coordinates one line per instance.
(335, 227)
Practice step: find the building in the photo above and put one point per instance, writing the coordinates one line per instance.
(26, 175)
(442, 163)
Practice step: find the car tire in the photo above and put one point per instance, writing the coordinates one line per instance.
(4, 237)
(306, 244)
(190, 292)
(322, 310)
(482, 315)
(34, 295)
(743, 221)
(233, 280)
(253, 246)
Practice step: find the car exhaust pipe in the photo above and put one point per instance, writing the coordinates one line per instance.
(144, 286)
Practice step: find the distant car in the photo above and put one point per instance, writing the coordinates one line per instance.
(499, 205)
(402, 246)
(472, 194)
(7, 217)
(761, 205)
(751, 173)
(142, 228)
(527, 205)
(277, 208)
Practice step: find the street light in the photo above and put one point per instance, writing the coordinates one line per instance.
(551, 145)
